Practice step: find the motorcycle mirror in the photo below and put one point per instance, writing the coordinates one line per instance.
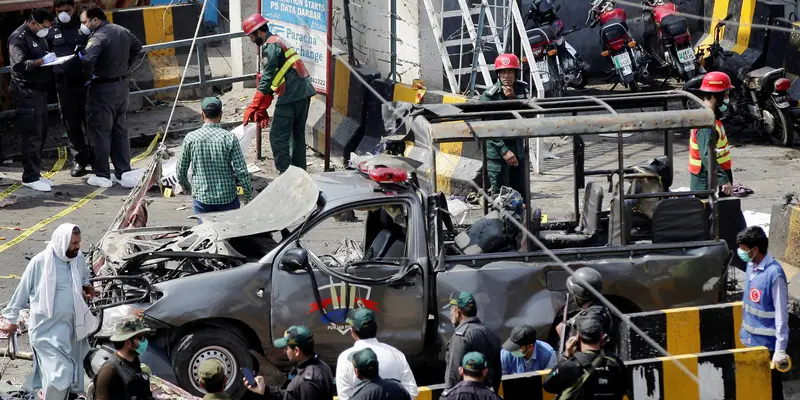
(294, 260)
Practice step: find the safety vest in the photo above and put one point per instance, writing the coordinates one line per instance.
(723, 151)
(758, 307)
(293, 60)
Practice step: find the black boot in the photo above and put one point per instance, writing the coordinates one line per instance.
(77, 170)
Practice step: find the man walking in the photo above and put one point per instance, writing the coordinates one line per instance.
(111, 52)
(372, 386)
(393, 363)
(121, 377)
(283, 74)
(217, 163)
(714, 92)
(523, 353)
(55, 284)
(30, 80)
(65, 39)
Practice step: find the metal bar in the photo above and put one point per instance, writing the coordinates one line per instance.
(606, 171)
(348, 29)
(393, 19)
(493, 29)
(669, 194)
(331, 64)
(466, 15)
(201, 67)
(485, 180)
(712, 178)
(578, 158)
(478, 45)
(437, 33)
(210, 82)
(259, 134)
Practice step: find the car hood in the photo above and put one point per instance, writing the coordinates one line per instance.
(286, 200)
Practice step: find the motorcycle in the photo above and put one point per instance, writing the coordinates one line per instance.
(671, 38)
(542, 13)
(628, 60)
(761, 97)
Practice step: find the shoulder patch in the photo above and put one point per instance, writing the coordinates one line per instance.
(90, 43)
(309, 375)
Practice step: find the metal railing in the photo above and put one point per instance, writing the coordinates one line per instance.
(201, 56)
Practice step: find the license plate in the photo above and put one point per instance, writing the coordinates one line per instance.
(688, 66)
(544, 70)
(622, 60)
(686, 55)
(781, 101)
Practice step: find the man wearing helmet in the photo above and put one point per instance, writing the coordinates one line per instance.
(589, 306)
(505, 156)
(283, 74)
(714, 92)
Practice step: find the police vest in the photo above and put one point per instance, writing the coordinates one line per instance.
(137, 383)
(758, 307)
(723, 152)
(598, 372)
(293, 60)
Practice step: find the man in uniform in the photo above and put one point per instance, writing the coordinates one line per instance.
(588, 303)
(471, 335)
(212, 379)
(474, 370)
(121, 377)
(65, 39)
(505, 157)
(111, 52)
(714, 92)
(30, 80)
(313, 378)
(283, 74)
(372, 386)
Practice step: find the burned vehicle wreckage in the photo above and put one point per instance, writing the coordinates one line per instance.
(226, 288)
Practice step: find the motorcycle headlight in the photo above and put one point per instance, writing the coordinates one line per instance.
(114, 314)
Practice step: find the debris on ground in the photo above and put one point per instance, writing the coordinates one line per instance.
(8, 201)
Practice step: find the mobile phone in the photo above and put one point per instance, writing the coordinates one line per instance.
(248, 374)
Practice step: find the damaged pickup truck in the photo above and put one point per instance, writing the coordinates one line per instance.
(241, 278)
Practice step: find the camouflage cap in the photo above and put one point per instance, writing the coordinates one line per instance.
(295, 336)
(474, 362)
(364, 360)
(464, 301)
(211, 370)
(129, 327)
(361, 318)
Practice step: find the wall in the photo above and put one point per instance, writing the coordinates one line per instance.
(244, 55)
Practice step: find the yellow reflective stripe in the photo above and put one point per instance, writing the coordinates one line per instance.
(724, 159)
(696, 163)
(291, 58)
(694, 146)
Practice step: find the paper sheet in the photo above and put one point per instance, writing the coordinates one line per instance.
(59, 60)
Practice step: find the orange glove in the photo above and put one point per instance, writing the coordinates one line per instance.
(259, 105)
(263, 120)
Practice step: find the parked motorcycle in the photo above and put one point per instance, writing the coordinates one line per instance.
(544, 46)
(544, 13)
(628, 60)
(670, 43)
(761, 96)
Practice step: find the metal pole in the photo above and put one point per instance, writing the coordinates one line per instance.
(476, 50)
(330, 65)
(393, 19)
(259, 156)
(348, 29)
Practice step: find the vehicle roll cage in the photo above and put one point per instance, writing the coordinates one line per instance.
(571, 116)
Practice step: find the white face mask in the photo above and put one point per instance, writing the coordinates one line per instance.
(43, 32)
(64, 17)
(85, 30)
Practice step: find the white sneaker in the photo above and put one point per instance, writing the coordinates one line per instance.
(98, 181)
(39, 185)
(45, 180)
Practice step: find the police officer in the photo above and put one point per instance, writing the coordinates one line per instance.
(590, 373)
(505, 157)
(30, 80)
(372, 386)
(313, 378)
(211, 376)
(471, 335)
(110, 54)
(714, 92)
(283, 74)
(589, 304)
(474, 370)
(65, 39)
(121, 377)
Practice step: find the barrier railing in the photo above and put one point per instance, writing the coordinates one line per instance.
(201, 57)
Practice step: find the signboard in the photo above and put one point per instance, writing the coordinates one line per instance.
(302, 24)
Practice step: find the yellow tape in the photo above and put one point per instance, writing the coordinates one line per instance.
(147, 152)
(12, 276)
(62, 159)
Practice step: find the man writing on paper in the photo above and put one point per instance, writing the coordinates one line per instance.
(56, 285)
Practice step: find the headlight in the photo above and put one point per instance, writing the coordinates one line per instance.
(114, 314)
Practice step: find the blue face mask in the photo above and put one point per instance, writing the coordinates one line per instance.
(724, 106)
(518, 353)
(142, 346)
(743, 255)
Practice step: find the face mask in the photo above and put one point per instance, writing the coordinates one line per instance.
(724, 106)
(743, 255)
(43, 32)
(259, 41)
(64, 17)
(518, 353)
(85, 30)
(142, 346)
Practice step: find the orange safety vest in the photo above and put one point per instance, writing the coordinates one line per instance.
(723, 152)
(293, 60)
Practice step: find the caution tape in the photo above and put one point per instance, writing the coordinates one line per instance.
(148, 151)
(62, 159)
(12, 276)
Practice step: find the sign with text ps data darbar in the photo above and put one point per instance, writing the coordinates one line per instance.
(302, 24)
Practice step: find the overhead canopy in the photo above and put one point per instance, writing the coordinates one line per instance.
(566, 116)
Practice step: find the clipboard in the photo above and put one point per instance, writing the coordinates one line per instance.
(59, 60)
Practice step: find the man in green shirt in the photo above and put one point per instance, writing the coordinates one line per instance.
(505, 157)
(714, 92)
(283, 74)
(217, 163)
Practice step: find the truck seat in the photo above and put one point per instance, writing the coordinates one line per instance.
(587, 227)
(486, 235)
(682, 219)
(389, 243)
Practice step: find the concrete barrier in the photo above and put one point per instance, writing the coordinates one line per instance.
(678, 330)
(744, 39)
(784, 237)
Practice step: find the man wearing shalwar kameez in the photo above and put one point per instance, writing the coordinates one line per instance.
(56, 284)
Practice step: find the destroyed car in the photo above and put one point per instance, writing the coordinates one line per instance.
(402, 256)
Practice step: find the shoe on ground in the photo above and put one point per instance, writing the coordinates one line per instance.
(118, 181)
(45, 180)
(99, 181)
(39, 186)
(78, 170)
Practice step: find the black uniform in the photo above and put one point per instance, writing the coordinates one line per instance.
(28, 90)
(588, 375)
(607, 320)
(111, 52)
(380, 389)
(313, 379)
(469, 390)
(474, 335)
(63, 39)
(122, 379)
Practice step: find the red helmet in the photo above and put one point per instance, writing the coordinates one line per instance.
(716, 82)
(506, 61)
(253, 22)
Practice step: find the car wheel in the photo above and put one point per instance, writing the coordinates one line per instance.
(209, 343)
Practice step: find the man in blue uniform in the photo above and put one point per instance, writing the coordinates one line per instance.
(765, 315)
(474, 370)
